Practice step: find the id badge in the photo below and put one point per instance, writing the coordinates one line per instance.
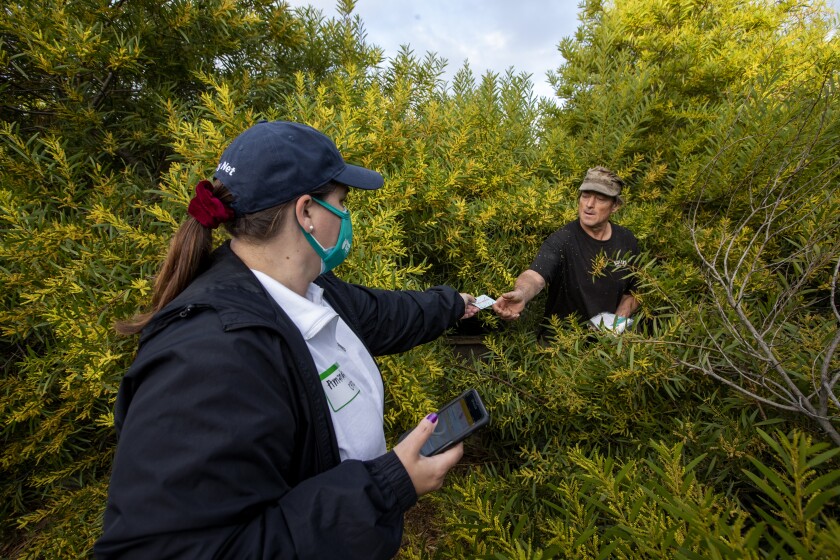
(339, 389)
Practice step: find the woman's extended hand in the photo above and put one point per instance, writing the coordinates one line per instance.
(427, 473)
(469, 306)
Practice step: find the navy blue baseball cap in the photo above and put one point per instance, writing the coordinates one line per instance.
(278, 161)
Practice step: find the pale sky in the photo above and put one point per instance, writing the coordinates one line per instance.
(491, 34)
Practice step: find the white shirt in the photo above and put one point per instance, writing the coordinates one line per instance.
(349, 377)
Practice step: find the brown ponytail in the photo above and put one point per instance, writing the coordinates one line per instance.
(189, 251)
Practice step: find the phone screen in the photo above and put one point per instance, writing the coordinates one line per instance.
(455, 421)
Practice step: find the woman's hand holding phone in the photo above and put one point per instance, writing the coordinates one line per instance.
(426, 473)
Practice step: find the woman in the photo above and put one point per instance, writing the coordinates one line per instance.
(250, 423)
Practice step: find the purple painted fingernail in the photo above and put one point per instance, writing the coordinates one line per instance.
(432, 417)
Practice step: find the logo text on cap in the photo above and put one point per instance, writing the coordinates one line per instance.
(226, 167)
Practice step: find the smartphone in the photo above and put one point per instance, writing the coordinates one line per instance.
(457, 420)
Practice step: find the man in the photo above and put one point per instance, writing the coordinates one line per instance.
(583, 263)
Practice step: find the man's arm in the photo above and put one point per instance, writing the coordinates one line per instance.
(510, 305)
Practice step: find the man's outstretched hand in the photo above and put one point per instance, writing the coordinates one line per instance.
(509, 306)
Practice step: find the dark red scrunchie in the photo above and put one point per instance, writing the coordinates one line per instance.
(206, 208)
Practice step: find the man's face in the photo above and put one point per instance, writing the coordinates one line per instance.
(595, 209)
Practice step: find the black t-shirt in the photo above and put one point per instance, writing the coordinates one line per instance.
(567, 260)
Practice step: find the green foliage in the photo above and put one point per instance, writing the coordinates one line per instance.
(594, 506)
(796, 495)
(769, 260)
(721, 115)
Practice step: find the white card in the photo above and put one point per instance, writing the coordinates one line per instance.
(484, 301)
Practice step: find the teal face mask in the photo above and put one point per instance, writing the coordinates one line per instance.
(334, 256)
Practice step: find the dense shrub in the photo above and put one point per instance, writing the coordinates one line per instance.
(668, 441)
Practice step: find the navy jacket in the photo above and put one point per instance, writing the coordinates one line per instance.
(226, 447)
